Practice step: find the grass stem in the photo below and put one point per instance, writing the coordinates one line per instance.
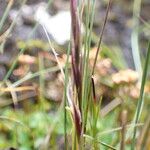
(141, 98)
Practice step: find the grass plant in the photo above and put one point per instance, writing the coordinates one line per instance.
(76, 122)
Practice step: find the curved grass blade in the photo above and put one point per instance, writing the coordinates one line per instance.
(12, 120)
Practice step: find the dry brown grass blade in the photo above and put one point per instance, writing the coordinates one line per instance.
(75, 112)
(13, 94)
(109, 107)
(17, 89)
(26, 96)
(123, 130)
(10, 3)
(3, 19)
(4, 36)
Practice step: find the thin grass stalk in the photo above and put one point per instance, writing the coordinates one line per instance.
(75, 32)
(74, 147)
(141, 98)
(110, 131)
(76, 99)
(87, 20)
(89, 23)
(75, 50)
(86, 74)
(65, 97)
(54, 53)
(86, 109)
(96, 110)
(92, 13)
(4, 17)
(143, 135)
(81, 10)
(123, 131)
(91, 18)
(86, 57)
(76, 68)
(84, 64)
(17, 89)
(94, 129)
(100, 142)
(108, 146)
(77, 120)
(65, 75)
(101, 35)
(41, 80)
(76, 115)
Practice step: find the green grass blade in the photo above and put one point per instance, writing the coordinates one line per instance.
(65, 97)
(86, 71)
(108, 146)
(118, 129)
(135, 36)
(101, 34)
(141, 98)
